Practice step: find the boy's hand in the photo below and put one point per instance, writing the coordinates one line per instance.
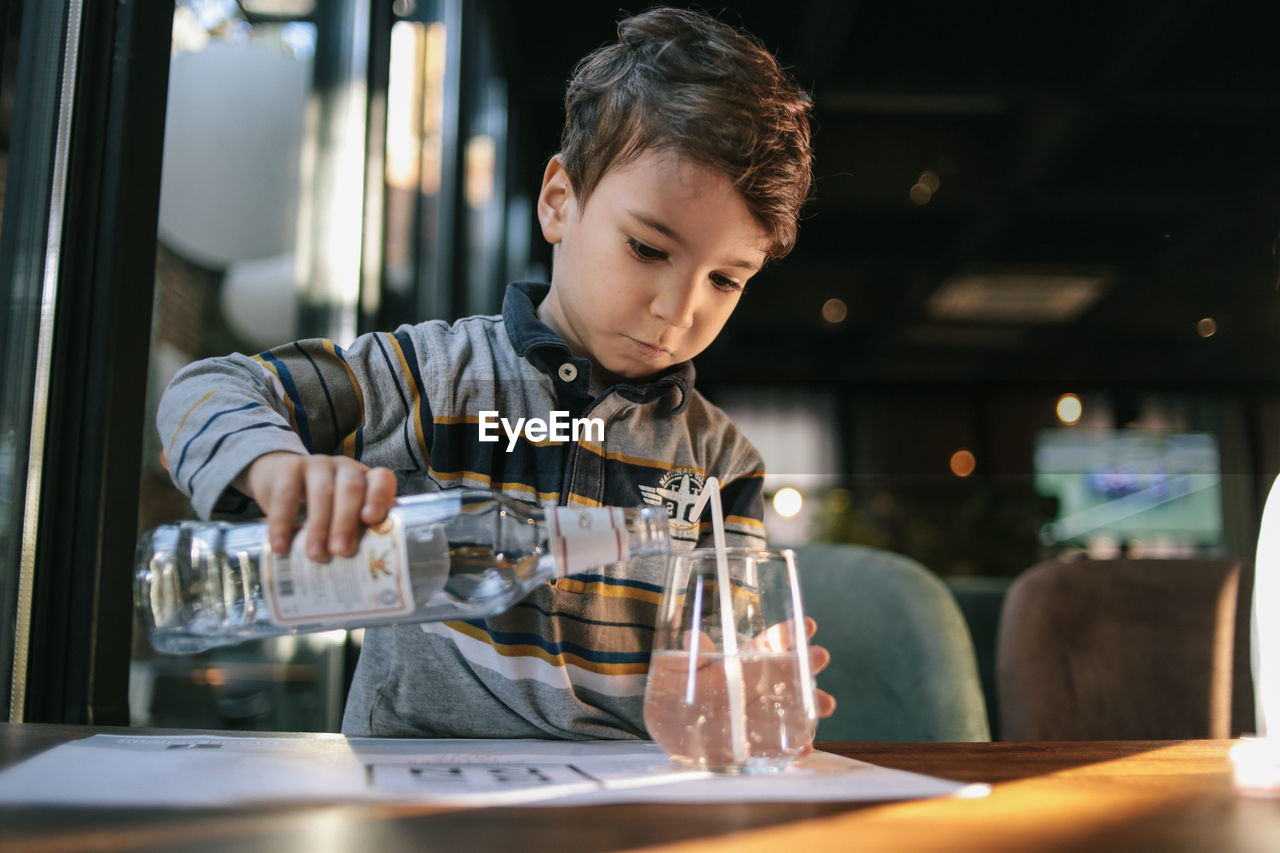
(776, 639)
(670, 678)
(819, 657)
(342, 496)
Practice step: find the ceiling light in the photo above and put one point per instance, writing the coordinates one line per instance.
(1017, 296)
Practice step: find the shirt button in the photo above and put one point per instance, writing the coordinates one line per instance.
(568, 372)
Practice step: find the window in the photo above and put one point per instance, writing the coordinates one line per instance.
(328, 168)
(81, 155)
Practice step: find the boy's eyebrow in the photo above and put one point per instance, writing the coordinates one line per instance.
(662, 228)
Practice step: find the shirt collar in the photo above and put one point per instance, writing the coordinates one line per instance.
(538, 343)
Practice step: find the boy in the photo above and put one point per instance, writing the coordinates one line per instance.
(684, 162)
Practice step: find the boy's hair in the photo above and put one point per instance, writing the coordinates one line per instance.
(684, 82)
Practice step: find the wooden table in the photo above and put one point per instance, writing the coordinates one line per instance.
(1119, 795)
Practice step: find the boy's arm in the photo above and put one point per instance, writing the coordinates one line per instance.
(215, 417)
(290, 426)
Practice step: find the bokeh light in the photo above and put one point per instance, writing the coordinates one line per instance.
(1069, 409)
(963, 463)
(926, 185)
(787, 502)
(834, 311)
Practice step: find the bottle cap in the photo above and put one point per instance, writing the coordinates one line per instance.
(586, 537)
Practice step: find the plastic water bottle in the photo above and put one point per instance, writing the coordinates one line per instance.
(455, 554)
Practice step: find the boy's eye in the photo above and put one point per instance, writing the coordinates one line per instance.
(645, 252)
(723, 282)
(649, 254)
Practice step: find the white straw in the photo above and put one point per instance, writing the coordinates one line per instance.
(729, 631)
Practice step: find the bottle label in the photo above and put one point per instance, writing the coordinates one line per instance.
(374, 583)
(583, 537)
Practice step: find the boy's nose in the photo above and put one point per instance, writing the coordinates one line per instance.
(674, 303)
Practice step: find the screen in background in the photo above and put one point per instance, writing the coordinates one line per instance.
(1130, 486)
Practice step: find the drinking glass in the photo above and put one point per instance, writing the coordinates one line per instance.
(736, 694)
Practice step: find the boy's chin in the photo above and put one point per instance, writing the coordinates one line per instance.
(630, 375)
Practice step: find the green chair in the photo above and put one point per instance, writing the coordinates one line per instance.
(902, 660)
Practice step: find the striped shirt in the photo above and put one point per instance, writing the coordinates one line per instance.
(569, 661)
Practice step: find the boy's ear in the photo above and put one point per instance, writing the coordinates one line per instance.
(554, 201)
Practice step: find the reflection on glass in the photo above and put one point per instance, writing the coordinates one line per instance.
(404, 102)
(414, 161)
(481, 165)
(240, 214)
(435, 64)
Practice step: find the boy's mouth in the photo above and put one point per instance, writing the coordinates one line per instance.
(648, 350)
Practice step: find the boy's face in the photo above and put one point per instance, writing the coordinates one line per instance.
(650, 267)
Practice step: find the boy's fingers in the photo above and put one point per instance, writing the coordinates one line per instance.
(773, 639)
(348, 498)
(705, 643)
(810, 626)
(826, 703)
(379, 495)
(819, 657)
(778, 637)
(283, 498)
(319, 478)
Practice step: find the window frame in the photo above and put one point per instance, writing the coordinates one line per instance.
(79, 249)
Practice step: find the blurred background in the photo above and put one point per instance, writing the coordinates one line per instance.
(1032, 310)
